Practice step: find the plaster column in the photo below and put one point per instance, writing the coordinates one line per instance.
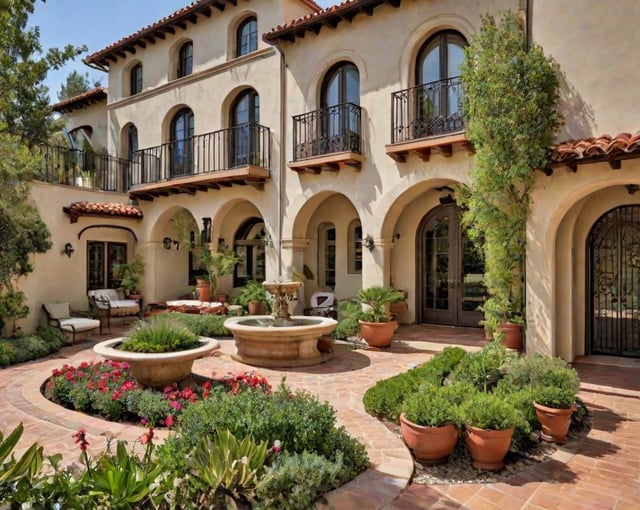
(293, 256)
(376, 269)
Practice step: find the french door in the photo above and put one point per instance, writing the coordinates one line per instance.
(450, 271)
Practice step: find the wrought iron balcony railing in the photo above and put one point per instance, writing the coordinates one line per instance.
(85, 169)
(244, 145)
(327, 131)
(432, 109)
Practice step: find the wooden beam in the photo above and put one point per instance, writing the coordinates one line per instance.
(424, 154)
(447, 150)
(218, 4)
(615, 164)
(181, 24)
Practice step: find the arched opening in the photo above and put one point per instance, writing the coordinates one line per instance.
(249, 243)
(247, 36)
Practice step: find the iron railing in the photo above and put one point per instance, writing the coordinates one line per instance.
(85, 169)
(327, 131)
(247, 144)
(432, 109)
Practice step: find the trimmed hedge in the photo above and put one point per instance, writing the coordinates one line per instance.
(45, 341)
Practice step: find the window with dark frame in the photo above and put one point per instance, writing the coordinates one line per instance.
(135, 78)
(102, 259)
(247, 37)
(185, 59)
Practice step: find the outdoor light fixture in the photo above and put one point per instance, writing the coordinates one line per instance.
(68, 249)
(166, 243)
(206, 230)
(368, 242)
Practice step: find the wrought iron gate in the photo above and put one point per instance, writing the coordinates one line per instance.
(614, 283)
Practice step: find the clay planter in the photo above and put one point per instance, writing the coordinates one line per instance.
(555, 422)
(157, 369)
(430, 445)
(512, 335)
(488, 447)
(378, 334)
(203, 289)
(255, 307)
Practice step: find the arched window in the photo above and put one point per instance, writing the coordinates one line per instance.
(245, 115)
(437, 72)
(247, 36)
(249, 243)
(185, 59)
(135, 79)
(327, 256)
(340, 99)
(132, 141)
(181, 144)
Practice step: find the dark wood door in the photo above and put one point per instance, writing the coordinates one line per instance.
(614, 283)
(450, 271)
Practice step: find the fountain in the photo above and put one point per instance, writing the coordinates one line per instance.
(280, 340)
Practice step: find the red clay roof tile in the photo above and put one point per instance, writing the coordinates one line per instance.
(601, 147)
(74, 103)
(77, 209)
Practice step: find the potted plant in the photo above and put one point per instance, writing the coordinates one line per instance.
(130, 275)
(429, 422)
(376, 326)
(217, 264)
(489, 422)
(555, 388)
(254, 297)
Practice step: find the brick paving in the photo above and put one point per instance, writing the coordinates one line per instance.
(599, 471)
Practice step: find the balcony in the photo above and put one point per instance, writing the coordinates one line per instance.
(83, 169)
(327, 139)
(239, 155)
(426, 118)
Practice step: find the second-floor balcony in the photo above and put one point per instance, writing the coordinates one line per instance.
(237, 155)
(327, 138)
(426, 117)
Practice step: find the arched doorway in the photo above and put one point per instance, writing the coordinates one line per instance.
(450, 271)
(613, 255)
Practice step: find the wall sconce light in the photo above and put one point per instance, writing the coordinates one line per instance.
(632, 188)
(166, 243)
(206, 230)
(368, 242)
(68, 249)
(222, 245)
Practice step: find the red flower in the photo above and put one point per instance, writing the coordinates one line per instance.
(81, 438)
(147, 437)
(169, 421)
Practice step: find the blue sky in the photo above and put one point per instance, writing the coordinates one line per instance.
(96, 24)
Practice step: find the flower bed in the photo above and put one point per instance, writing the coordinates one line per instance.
(107, 389)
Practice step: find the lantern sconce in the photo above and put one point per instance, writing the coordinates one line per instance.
(68, 249)
(166, 243)
(368, 242)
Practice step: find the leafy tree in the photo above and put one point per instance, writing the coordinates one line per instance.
(75, 85)
(511, 100)
(25, 120)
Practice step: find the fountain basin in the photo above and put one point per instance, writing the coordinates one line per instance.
(261, 344)
(157, 369)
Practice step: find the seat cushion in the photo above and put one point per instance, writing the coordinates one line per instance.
(122, 307)
(79, 323)
(57, 310)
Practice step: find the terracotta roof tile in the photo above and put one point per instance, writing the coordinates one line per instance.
(601, 147)
(77, 209)
(74, 103)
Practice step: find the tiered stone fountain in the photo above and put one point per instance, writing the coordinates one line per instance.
(280, 340)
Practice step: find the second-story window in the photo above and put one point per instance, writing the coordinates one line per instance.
(135, 79)
(247, 37)
(245, 116)
(185, 60)
(439, 95)
(132, 141)
(181, 144)
(340, 97)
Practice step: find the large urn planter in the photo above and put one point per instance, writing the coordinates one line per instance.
(430, 445)
(511, 335)
(488, 447)
(378, 334)
(554, 422)
(157, 369)
(203, 290)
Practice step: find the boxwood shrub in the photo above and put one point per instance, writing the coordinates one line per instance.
(45, 341)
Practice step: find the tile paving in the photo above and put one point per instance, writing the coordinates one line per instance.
(599, 471)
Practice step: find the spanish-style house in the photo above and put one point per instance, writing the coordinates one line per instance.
(333, 140)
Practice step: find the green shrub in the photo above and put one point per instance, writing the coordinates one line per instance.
(209, 325)
(351, 312)
(384, 399)
(151, 405)
(436, 406)
(522, 400)
(30, 347)
(7, 353)
(482, 369)
(160, 336)
(488, 411)
(554, 396)
(294, 482)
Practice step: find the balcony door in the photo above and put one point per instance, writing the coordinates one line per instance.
(439, 101)
(244, 143)
(339, 124)
(450, 271)
(181, 144)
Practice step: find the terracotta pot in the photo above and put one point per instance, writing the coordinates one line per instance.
(256, 307)
(512, 335)
(488, 447)
(222, 298)
(378, 334)
(555, 422)
(203, 289)
(430, 445)
(398, 309)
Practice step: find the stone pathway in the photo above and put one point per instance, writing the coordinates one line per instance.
(603, 471)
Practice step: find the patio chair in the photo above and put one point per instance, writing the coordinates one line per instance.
(322, 304)
(61, 316)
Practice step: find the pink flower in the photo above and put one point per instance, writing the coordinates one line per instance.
(81, 438)
(169, 421)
